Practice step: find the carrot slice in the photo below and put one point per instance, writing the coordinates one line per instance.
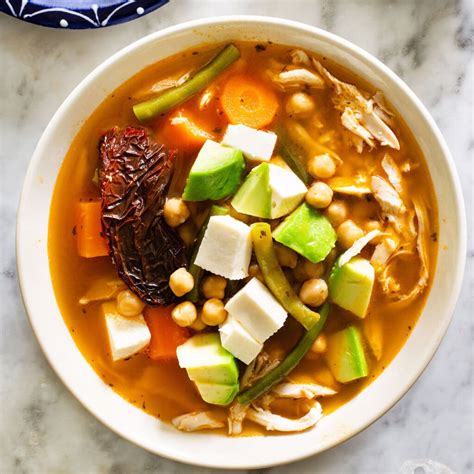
(248, 101)
(166, 335)
(182, 132)
(90, 240)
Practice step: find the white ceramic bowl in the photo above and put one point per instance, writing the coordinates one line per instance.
(72, 368)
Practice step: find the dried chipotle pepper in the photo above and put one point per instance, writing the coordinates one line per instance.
(134, 174)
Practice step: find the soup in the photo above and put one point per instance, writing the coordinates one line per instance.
(242, 238)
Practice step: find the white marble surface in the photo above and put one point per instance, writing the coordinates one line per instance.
(429, 43)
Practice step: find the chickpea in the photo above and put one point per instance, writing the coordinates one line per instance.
(374, 225)
(286, 256)
(198, 324)
(319, 195)
(337, 212)
(369, 226)
(214, 286)
(184, 314)
(198, 211)
(313, 270)
(348, 232)
(129, 304)
(299, 272)
(289, 276)
(254, 271)
(175, 212)
(181, 282)
(331, 258)
(300, 105)
(321, 166)
(187, 233)
(314, 292)
(213, 312)
(320, 344)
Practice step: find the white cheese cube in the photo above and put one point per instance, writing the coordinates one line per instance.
(127, 336)
(226, 248)
(256, 145)
(238, 341)
(257, 310)
(287, 191)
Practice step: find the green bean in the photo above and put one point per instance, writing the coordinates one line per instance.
(149, 109)
(276, 375)
(196, 271)
(292, 156)
(275, 278)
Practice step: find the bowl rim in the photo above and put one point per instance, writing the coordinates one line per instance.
(364, 57)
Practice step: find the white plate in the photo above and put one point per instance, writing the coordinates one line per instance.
(55, 340)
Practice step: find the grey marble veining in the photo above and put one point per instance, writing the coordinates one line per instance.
(43, 429)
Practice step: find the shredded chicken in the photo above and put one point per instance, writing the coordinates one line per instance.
(237, 414)
(274, 422)
(298, 56)
(423, 231)
(378, 128)
(381, 108)
(266, 400)
(387, 197)
(382, 253)
(302, 390)
(345, 94)
(357, 246)
(168, 83)
(362, 116)
(198, 420)
(299, 78)
(205, 98)
(394, 209)
(389, 284)
(259, 367)
(294, 390)
(393, 172)
(352, 121)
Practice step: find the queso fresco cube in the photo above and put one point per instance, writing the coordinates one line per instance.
(226, 248)
(257, 310)
(127, 336)
(237, 340)
(256, 145)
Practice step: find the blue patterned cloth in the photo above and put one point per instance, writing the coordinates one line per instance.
(78, 14)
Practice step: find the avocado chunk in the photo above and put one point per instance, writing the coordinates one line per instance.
(217, 394)
(254, 196)
(207, 361)
(222, 372)
(212, 368)
(215, 174)
(350, 285)
(345, 355)
(307, 232)
(270, 192)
